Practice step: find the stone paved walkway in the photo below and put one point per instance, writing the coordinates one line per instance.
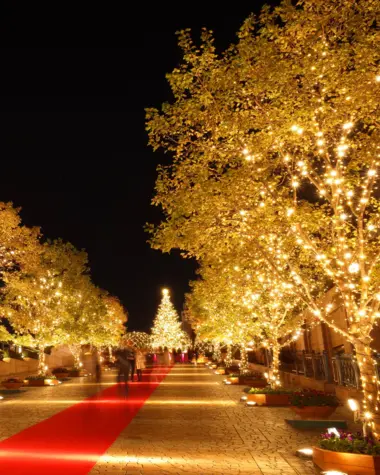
(193, 424)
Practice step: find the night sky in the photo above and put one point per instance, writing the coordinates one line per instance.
(73, 145)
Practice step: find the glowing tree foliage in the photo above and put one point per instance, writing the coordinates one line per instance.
(247, 304)
(286, 123)
(166, 331)
(47, 295)
(140, 340)
(19, 245)
(36, 298)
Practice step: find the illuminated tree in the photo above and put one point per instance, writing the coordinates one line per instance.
(247, 304)
(217, 355)
(36, 297)
(287, 121)
(19, 245)
(166, 330)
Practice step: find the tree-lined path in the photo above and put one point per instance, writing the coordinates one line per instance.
(179, 420)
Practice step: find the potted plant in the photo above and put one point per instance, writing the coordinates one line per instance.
(60, 373)
(269, 396)
(313, 404)
(254, 379)
(41, 380)
(350, 453)
(12, 383)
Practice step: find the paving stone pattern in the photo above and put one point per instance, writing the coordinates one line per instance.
(193, 424)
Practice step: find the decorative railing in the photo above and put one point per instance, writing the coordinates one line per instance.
(342, 369)
(345, 371)
(312, 365)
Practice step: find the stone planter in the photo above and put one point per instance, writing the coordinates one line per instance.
(233, 380)
(6, 359)
(253, 383)
(12, 386)
(269, 399)
(314, 412)
(352, 464)
(220, 371)
(37, 383)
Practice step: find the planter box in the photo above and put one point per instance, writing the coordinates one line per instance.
(269, 399)
(41, 382)
(314, 412)
(232, 380)
(12, 386)
(253, 383)
(6, 360)
(352, 464)
(220, 371)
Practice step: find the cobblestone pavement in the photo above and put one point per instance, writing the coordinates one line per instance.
(193, 424)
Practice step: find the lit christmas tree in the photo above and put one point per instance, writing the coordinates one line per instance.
(166, 329)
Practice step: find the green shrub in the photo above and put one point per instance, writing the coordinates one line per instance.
(269, 390)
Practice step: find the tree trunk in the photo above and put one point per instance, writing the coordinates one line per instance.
(275, 377)
(75, 351)
(217, 355)
(368, 376)
(228, 360)
(41, 360)
(243, 359)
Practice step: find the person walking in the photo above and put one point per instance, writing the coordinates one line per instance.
(131, 355)
(140, 364)
(123, 365)
(98, 368)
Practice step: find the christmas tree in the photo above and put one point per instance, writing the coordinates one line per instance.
(166, 329)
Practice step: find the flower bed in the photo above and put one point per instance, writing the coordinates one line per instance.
(269, 397)
(351, 453)
(313, 404)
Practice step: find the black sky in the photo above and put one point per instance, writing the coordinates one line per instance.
(73, 146)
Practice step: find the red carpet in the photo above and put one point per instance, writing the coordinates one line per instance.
(71, 442)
